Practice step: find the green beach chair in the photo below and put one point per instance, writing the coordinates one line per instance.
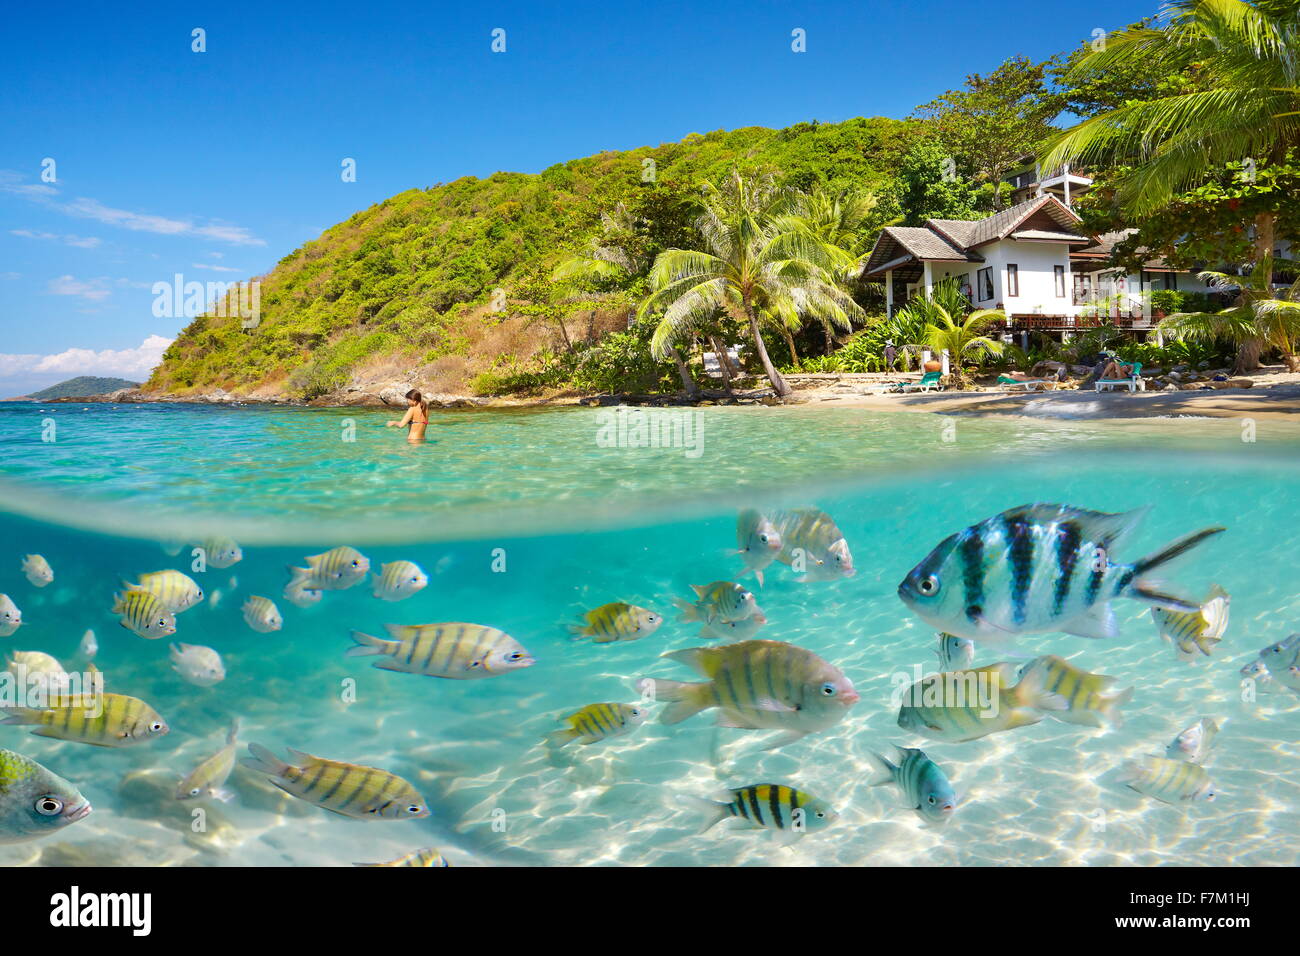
(1028, 384)
(929, 381)
(1134, 384)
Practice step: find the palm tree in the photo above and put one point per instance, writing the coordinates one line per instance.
(1258, 319)
(963, 340)
(1246, 102)
(752, 262)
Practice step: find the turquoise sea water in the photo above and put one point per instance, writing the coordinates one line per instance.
(525, 519)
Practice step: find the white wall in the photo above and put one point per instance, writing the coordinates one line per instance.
(1037, 277)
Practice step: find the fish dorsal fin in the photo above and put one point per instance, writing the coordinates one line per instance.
(699, 589)
(303, 759)
(703, 660)
(1103, 527)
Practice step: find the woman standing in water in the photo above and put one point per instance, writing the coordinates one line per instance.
(416, 417)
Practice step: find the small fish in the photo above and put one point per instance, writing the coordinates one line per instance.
(175, 590)
(1091, 699)
(425, 857)
(969, 704)
(925, 788)
(758, 542)
(811, 541)
(333, 570)
(222, 552)
(101, 720)
(199, 665)
(1194, 631)
(1289, 678)
(88, 647)
(35, 802)
(1283, 654)
(617, 621)
(955, 653)
(719, 603)
(1169, 781)
(452, 650)
(597, 722)
(10, 617)
(351, 790)
(1258, 674)
(300, 596)
(770, 806)
(1040, 567)
(398, 580)
(757, 685)
(208, 779)
(144, 615)
(262, 615)
(37, 570)
(731, 631)
(40, 671)
(1194, 743)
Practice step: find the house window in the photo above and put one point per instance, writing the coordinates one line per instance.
(1059, 273)
(985, 279)
(1171, 280)
(1082, 289)
(1013, 279)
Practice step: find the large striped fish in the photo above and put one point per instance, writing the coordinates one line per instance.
(348, 789)
(1199, 630)
(1170, 781)
(102, 720)
(758, 685)
(1090, 699)
(144, 614)
(811, 541)
(924, 786)
(617, 621)
(333, 570)
(453, 650)
(178, 592)
(968, 704)
(1040, 567)
(770, 806)
(597, 722)
(34, 801)
(425, 857)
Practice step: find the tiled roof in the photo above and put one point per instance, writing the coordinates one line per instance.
(1048, 234)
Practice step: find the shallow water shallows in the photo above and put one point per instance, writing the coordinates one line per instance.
(523, 520)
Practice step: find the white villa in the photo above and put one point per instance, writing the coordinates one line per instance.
(1030, 260)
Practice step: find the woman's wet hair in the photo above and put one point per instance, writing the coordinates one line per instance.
(415, 396)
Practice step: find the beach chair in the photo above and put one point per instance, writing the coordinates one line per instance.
(1134, 384)
(1028, 384)
(929, 381)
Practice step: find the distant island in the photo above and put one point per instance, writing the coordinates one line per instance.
(82, 386)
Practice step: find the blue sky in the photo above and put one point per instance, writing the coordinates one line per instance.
(215, 165)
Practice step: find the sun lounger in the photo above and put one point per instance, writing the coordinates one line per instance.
(1028, 384)
(1134, 384)
(929, 381)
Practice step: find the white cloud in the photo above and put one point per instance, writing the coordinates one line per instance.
(200, 265)
(81, 242)
(93, 290)
(134, 363)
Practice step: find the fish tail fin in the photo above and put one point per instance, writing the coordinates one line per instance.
(368, 646)
(375, 588)
(1032, 690)
(689, 611)
(759, 575)
(884, 773)
(684, 699)
(1110, 712)
(579, 630)
(233, 735)
(298, 577)
(559, 738)
(263, 761)
(20, 715)
(711, 812)
(1146, 590)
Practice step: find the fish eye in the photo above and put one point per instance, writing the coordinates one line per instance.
(928, 585)
(356, 564)
(156, 726)
(516, 656)
(415, 808)
(635, 712)
(821, 814)
(195, 792)
(932, 800)
(828, 689)
(49, 806)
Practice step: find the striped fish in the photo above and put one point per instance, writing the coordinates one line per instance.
(41, 671)
(969, 704)
(425, 857)
(757, 685)
(955, 652)
(453, 650)
(10, 617)
(597, 722)
(1257, 674)
(365, 793)
(208, 779)
(1283, 654)
(262, 615)
(719, 603)
(1194, 743)
(1090, 699)
(770, 806)
(811, 541)
(143, 614)
(1041, 567)
(924, 786)
(1169, 781)
(175, 590)
(300, 596)
(617, 621)
(101, 720)
(398, 580)
(222, 552)
(334, 570)
(1193, 631)
(35, 802)
(757, 541)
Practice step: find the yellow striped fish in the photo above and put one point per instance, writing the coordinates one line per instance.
(334, 570)
(811, 541)
(39, 670)
(1090, 699)
(425, 857)
(398, 580)
(365, 793)
(617, 621)
(1193, 631)
(597, 722)
(262, 615)
(175, 590)
(101, 720)
(968, 704)
(208, 779)
(143, 614)
(718, 604)
(770, 806)
(222, 552)
(452, 650)
(1169, 781)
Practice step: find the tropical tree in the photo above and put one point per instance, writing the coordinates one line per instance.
(963, 339)
(752, 262)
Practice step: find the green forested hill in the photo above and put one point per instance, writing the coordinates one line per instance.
(82, 386)
(406, 284)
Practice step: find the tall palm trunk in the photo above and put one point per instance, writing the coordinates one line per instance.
(1248, 352)
(778, 383)
(724, 363)
(684, 373)
(789, 343)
